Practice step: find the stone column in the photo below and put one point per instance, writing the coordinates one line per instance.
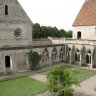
(80, 60)
(91, 65)
(50, 61)
(3, 63)
(58, 58)
(27, 61)
(70, 58)
(13, 62)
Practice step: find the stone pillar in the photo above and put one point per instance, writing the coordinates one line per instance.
(70, 58)
(91, 65)
(27, 61)
(58, 58)
(80, 60)
(3, 63)
(50, 61)
(13, 62)
(66, 53)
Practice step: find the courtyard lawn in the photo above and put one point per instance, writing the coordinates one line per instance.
(77, 73)
(22, 86)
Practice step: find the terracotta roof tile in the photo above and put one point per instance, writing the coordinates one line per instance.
(87, 14)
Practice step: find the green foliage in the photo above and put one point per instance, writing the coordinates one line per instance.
(36, 31)
(69, 34)
(60, 81)
(47, 31)
(22, 86)
(34, 59)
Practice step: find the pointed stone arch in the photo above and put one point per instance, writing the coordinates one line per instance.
(62, 54)
(88, 57)
(45, 56)
(54, 55)
(77, 55)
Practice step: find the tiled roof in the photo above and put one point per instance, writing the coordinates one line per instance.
(87, 14)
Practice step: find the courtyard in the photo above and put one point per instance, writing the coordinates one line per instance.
(28, 86)
(21, 86)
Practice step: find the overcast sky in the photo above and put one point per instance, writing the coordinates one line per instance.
(59, 13)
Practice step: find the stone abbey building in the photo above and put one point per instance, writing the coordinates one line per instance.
(16, 39)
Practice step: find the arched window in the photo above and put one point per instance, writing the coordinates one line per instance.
(54, 55)
(87, 58)
(79, 35)
(62, 54)
(75, 56)
(6, 9)
(45, 56)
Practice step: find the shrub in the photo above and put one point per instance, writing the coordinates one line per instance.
(60, 81)
(34, 59)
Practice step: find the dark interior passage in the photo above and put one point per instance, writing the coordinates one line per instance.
(7, 61)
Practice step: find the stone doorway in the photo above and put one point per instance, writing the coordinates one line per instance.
(7, 62)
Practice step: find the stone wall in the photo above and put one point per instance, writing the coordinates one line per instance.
(87, 32)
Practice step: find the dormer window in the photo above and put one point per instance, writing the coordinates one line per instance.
(6, 9)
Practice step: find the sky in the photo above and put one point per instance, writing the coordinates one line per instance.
(59, 13)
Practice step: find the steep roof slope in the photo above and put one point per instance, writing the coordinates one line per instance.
(87, 14)
(16, 13)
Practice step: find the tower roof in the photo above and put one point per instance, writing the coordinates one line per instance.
(87, 14)
(16, 13)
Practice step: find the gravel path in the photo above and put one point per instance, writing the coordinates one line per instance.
(88, 87)
(40, 77)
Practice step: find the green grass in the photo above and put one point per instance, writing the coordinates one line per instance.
(25, 86)
(77, 73)
(22, 86)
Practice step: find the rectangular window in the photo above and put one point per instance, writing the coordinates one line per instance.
(6, 10)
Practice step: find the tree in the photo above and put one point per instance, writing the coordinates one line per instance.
(60, 81)
(34, 59)
(69, 34)
(62, 33)
(36, 31)
(48, 31)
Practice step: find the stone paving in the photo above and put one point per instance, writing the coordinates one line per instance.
(39, 77)
(86, 88)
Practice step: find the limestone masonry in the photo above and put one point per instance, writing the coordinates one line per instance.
(16, 39)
